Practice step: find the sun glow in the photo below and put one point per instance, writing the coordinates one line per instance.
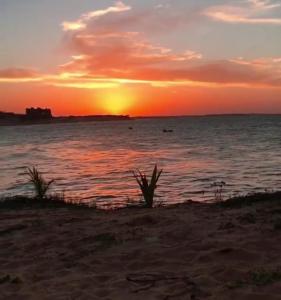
(116, 102)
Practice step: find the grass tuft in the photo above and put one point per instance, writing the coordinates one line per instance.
(148, 187)
(41, 186)
(52, 202)
(259, 277)
(248, 200)
(265, 277)
(218, 186)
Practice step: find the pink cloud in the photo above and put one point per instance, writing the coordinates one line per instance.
(111, 48)
(106, 49)
(82, 22)
(250, 13)
(17, 73)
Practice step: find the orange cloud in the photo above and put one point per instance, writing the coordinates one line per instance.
(19, 75)
(104, 49)
(105, 54)
(117, 53)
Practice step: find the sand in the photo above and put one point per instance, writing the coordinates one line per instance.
(189, 251)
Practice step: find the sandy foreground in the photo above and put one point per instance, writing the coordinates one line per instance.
(190, 251)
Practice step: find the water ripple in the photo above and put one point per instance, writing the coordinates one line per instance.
(94, 161)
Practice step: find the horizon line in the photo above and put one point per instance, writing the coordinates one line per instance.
(160, 116)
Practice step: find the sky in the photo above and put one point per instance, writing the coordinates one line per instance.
(141, 57)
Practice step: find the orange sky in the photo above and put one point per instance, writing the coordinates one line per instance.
(122, 58)
(142, 101)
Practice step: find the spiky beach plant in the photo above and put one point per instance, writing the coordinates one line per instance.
(41, 186)
(148, 188)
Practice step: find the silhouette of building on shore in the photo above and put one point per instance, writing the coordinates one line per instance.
(38, 113)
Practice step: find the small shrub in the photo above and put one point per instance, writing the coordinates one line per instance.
(105, 240)
(248, 200)
(277, 224)
(41, 186)
(259, 277)
(218, 186)
(264, 277)
(148, 188)
(5, 278)
(248, 218)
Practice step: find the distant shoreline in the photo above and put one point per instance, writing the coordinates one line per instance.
(19, 121)
(209, 115)
(58, 120)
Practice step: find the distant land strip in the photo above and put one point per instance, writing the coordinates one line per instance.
(8, 119)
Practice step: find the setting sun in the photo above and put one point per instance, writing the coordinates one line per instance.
(116, 102)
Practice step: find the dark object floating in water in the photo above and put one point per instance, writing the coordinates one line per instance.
(131, 128)
(168, 130)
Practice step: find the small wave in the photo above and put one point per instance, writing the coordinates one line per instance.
(95, 161)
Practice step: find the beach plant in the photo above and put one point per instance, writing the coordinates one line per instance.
(40, 184)
(148, 187)
(251, 199)
(218, 186)
(263, 277)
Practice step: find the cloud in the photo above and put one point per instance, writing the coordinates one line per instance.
(19, 75)
(261, 73)
(214, 72)
(252, 12)
(263, 4)
(114, 53)
(270, 63)
(106, 54)
(104, 47)
(158, 19)
(81, 23)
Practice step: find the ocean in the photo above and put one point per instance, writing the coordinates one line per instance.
(93, 162)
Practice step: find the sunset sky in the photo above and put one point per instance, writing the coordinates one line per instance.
(141, 57)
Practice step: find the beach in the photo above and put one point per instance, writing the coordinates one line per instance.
(184, 251)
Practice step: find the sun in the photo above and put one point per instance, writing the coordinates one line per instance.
(116, 102)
